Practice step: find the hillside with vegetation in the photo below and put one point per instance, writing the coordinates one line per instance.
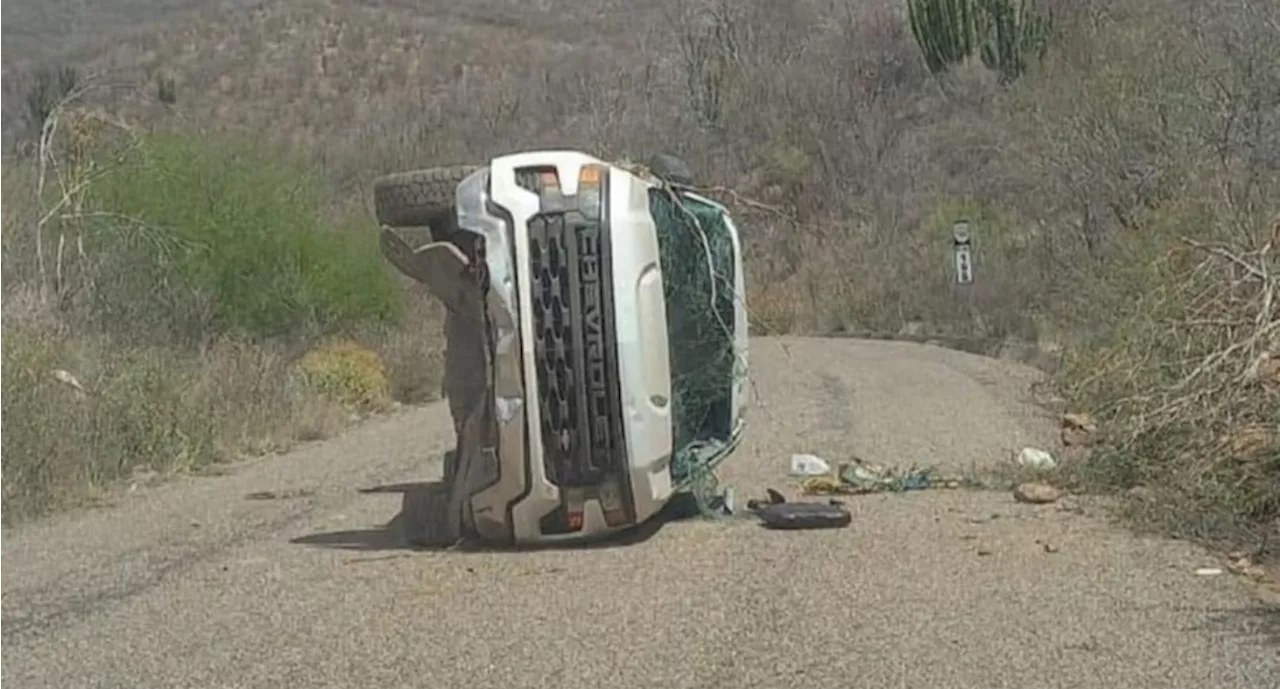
(187, 213)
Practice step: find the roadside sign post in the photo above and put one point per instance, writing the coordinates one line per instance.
(962, 246)
(962, 255)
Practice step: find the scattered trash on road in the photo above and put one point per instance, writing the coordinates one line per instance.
(1209, 571)
(1033, 458)
(859, 477)
(809, 465)
(1037, 493)
(728, 501)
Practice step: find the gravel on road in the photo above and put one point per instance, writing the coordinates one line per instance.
(191, 584)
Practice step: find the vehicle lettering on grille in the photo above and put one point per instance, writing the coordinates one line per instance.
(593, 331)
(576, 369)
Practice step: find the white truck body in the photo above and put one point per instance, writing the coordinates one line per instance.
(573, 438)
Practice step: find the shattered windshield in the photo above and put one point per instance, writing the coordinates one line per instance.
(697, 258)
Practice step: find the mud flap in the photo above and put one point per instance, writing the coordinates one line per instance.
(446, 272)
(441, 266)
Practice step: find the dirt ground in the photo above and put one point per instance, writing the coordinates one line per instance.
(291, 571)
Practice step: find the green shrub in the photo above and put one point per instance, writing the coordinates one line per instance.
(200, 237)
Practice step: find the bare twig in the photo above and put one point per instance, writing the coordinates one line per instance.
(1228, 322)
(71, 184)
(744, 201)
(1230, 256)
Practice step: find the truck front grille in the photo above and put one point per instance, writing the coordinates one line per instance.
(575, 348)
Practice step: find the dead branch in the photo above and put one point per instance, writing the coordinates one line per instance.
(71, 184)
(741, 200)
(1196, 365)
(1235, 258)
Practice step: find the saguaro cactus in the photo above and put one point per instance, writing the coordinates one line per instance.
(1014, 33)
(1003, 32)
(945, 30)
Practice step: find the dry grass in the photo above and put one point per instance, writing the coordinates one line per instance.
(1173, 171)
(1149, 122)
(81, 412)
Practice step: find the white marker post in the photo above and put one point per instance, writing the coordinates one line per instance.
(961, 244)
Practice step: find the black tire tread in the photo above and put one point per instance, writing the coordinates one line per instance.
(418, 198)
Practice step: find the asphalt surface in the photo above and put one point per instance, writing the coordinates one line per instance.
(194, 584)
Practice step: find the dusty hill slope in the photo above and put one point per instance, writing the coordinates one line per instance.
(320, 67)
(377, 85)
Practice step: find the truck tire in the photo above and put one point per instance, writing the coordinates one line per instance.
(420, 198)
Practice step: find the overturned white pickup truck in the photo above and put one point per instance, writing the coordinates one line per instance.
(596, 340)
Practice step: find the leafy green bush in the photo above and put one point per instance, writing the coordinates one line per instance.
(200, 237)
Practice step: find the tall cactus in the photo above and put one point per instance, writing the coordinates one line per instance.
(945, 30)
(1003, 32)
(1014, 33)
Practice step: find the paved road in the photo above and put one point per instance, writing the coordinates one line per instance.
(192, 585)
